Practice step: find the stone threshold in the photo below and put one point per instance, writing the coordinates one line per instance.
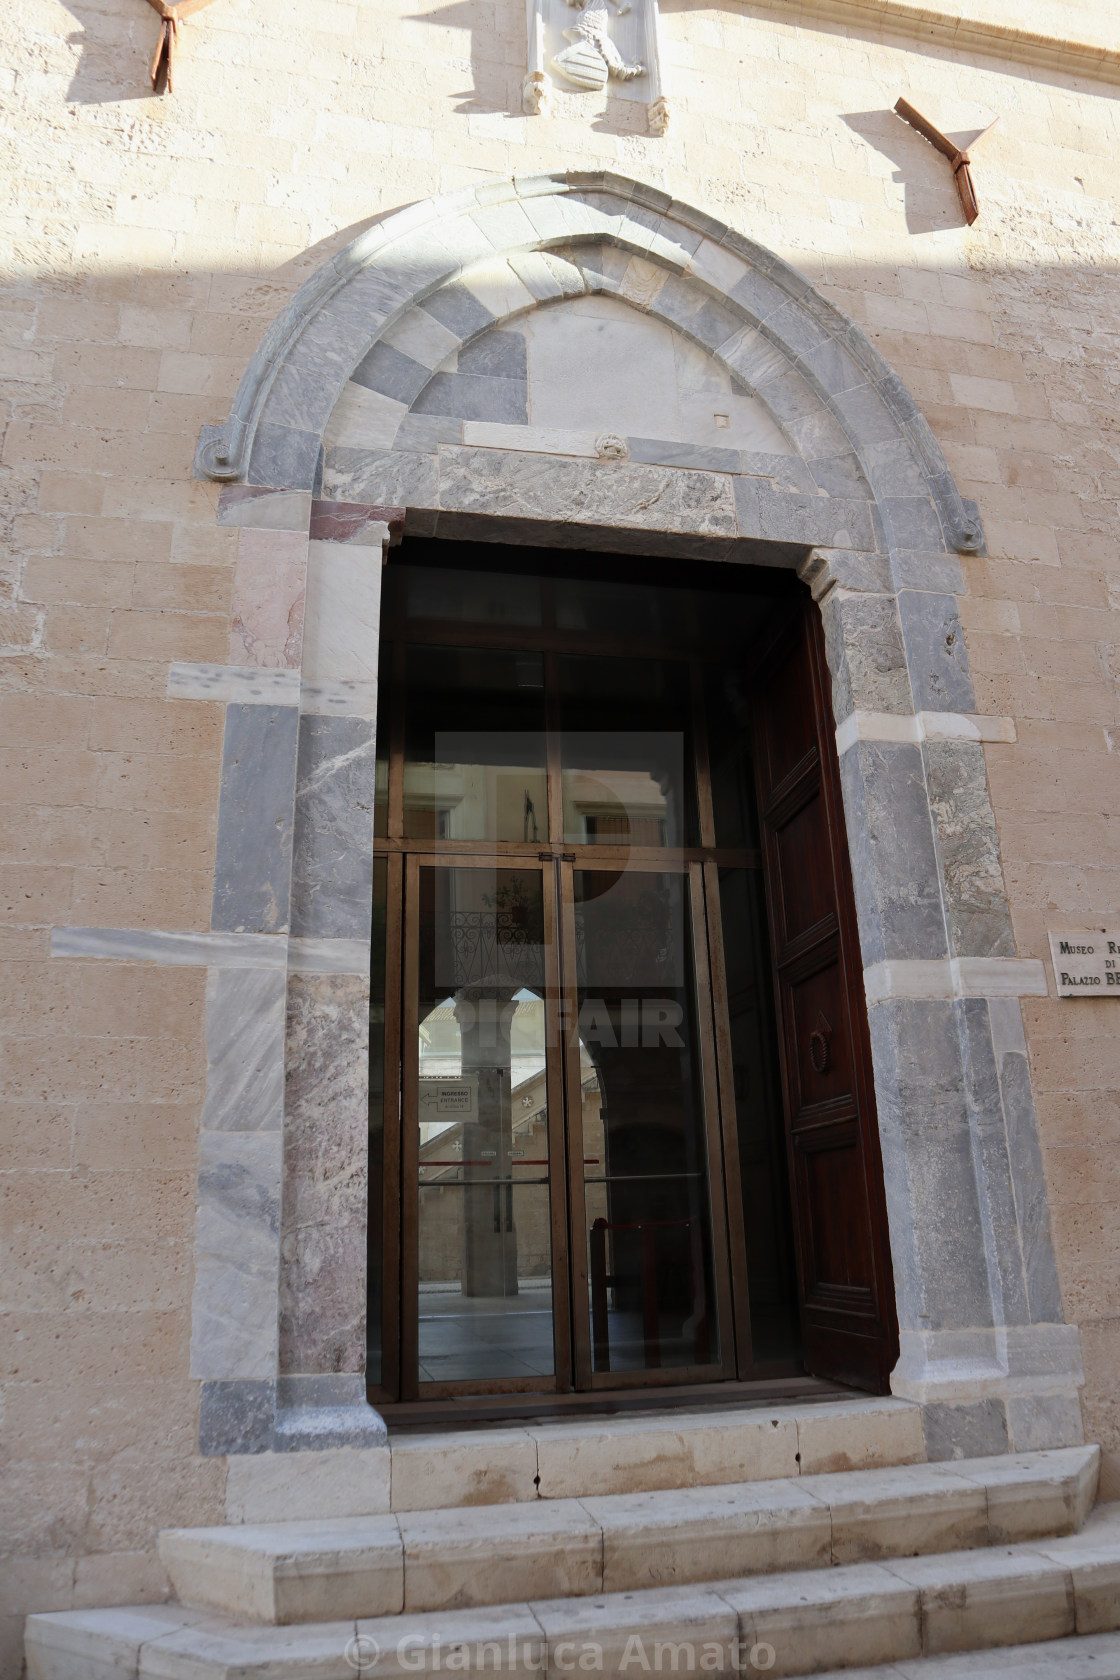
(481, 1411)
(535, 1460)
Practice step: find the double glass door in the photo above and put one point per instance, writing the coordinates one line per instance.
(576, 1138)
(560, 1125)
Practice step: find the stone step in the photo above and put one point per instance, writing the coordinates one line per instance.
(1011, 1611)
(1096, 1657)
(468, 1556)
(642, 1453)
(565, 1459)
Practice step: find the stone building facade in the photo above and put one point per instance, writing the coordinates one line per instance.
(225, 311)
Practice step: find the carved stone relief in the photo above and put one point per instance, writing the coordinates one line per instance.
(592, 46)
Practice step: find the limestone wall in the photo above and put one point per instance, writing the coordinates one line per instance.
(148, 244)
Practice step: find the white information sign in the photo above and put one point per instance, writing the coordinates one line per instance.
(1087, 962)
(448, 1099)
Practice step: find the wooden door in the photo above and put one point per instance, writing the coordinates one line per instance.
(844, 1269)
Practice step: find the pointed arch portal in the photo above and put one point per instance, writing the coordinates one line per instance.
(435, 379)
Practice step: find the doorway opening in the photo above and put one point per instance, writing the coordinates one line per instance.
(621, 1126)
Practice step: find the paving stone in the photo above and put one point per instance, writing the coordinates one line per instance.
(855, 1435)
(97, 1644)
(1031, 1494)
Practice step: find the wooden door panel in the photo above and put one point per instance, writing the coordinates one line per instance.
(820, 1039)
(831, 1128)
(784, 752)
(834, 1193)
(807, 892)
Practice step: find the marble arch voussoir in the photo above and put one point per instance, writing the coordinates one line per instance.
(854, 491)
(825, 367)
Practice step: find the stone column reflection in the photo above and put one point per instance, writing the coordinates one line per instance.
(485, 1017)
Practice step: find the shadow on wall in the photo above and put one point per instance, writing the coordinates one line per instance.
(930, 196)
(497, 80)
(116, 52)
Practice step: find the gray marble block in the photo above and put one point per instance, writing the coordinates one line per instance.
(976, 1430)
(1044, 1301)
(237, 1253)
(391, 372)
(935, 652)
(236, 1416)
(470, 396)
(999, 1215)
(863, 640)
(626, 493)
(244, 1050)
(275, 1416)
(968, 850)
(252, 866)
(332, 868)
(385, 477)
(322, 1280)
(283, 458)
(894, 864)
(937, 1236)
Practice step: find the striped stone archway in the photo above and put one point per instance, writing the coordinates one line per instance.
(330, 449)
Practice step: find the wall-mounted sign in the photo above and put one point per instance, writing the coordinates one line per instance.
(1087, 962)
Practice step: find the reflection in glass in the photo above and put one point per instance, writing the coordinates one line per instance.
(376, 1122)
(772, 1281)
(605, 607)
(472, 597)
(484, 778)
(645, 1158)
(630, 784)
(729, 759)
(485, 1249)
(381, 760)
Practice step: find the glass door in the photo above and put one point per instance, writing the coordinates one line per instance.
(559, 1129)
(650, 1295)
(484, 1243)
(575, 1139)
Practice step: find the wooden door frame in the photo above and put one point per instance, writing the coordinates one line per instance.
(701, 864)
